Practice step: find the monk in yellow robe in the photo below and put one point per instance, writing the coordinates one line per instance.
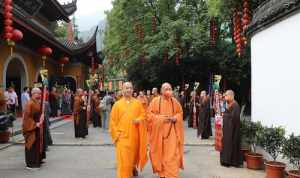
(128, 132)
(166, 134)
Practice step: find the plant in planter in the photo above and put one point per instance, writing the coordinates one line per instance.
(244, 130)
(272, 141)
(252, 134)
(6, 121)
(291, 150)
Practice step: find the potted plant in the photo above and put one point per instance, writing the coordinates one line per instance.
(272, 141)
(291, 150)
(6, 121)
(254, 160)
(244, 129)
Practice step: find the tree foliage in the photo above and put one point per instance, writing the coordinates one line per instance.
(140, 31)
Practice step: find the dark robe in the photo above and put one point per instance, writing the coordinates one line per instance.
(66, 104)
(230, 154)
(54, 103)
(96, 111)
(204, 122)
(80, 120)
(48, 138)
(34, 136)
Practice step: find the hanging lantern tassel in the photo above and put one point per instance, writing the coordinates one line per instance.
(11, 45)
(62, 67)
(44, 58)
(63, 61)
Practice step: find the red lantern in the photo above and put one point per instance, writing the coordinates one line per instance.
(8, 29)
(17, 35)
(8, 15)
(63, 61)
(8, 36)
(45, 51)
(7, 1)
(8, 22)
(8, 8)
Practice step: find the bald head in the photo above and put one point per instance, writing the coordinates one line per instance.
(127, 89)
(154, 91)
(166, 90)
(36, 94)
(229, 95)
(79, 91)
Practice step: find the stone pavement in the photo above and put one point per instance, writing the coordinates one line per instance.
(97, 136)
(94, 157)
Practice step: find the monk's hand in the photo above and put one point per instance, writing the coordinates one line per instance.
(39, 124)
(42, 118)
(136, 121)
(173, 119)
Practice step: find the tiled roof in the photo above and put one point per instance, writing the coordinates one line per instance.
(270, 12)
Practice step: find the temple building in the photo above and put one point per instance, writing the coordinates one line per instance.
(37, 19)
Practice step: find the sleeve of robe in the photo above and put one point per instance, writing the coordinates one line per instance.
(143, 158)
(114, 122)
(28, 126)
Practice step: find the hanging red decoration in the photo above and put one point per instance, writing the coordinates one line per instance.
(238, 32)
(63, 61)
(213, 32)
(17, 35)
(8, 22)
(246, 15)
(45, 51)
(246, 18)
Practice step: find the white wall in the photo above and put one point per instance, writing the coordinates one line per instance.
(276, 75)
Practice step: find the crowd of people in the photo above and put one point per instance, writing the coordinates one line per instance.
(135, 120)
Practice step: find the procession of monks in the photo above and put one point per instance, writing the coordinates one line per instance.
(142, 129)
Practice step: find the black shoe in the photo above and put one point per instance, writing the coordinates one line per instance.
(135, 172)
(225, 165)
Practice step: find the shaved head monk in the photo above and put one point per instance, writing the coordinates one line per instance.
(128, 132)
(166, 134)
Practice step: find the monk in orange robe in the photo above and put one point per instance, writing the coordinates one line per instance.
(167, 134)
(128, 132)
(143, 99)
(154, 94)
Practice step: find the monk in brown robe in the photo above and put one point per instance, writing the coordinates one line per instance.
(79, 112)
(33, 131)
(167, 134)
(204, 127)
(128, 132)
(95, 102)
(230, 154)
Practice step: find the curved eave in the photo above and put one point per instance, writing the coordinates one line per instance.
(271, 12)
(70, 8)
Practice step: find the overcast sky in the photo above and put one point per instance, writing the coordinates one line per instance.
(90, 12)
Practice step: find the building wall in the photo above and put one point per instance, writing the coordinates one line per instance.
(276, 74)
(33, 64)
